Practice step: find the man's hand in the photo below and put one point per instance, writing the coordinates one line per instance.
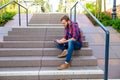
(61, 41)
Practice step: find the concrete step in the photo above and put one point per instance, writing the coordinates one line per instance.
(23, 38)
(30, 29)
(37, 31)
(45, 25)
(53, 21)
(32, 44)
(40, 28)
(52, 61)
(24, 61)
(55, 51)
(50, 73)
(6, 52)
(50, 44)
(19, 73)
(52, 31)
(71, 73)
(47, 16)
(45, 61)
(28, 33)
(33, 28)
(34, 37)
(46, 19)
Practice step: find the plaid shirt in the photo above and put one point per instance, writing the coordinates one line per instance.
(73, 31)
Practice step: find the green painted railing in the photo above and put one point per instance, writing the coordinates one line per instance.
(19, 5)
(103, 27)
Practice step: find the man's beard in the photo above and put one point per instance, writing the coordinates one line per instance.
(67, 25)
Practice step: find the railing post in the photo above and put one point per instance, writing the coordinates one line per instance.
(114, 9)
(27, 17)
(106, 56)
(75, 14)
(19, 15)
(71, 14)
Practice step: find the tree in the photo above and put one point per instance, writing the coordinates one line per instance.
(47, 6)
(41, 4)
(67, 6)
(98, 8)
(60, 7)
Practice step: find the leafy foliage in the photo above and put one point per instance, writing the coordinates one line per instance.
(116, 24)
(91, 7)
(105, 19)
(1, 22)
(108, 21)
(6, 16)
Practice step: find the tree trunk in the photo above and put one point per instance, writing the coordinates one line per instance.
(96, 12)
(98, 8)
(4, 2)
(104, 5)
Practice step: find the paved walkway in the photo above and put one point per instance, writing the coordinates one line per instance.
(83, 21)
(96, 38)
(15, 21)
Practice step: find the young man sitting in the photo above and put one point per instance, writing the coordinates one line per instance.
(71, 41)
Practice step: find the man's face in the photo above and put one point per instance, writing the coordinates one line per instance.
(64, 23)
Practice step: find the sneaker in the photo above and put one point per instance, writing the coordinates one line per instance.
(63, 54)
(63, 66)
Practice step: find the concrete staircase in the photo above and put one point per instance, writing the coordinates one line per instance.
(30, 54)
(46, 19)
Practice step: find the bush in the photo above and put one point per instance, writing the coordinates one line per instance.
(91, 7)
(116, 24)
(1, 22)
(108, 23)
(105, 19)
(6, 17)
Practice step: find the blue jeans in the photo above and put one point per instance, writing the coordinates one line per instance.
(71, 45)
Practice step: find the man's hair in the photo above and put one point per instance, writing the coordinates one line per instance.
(65, 17)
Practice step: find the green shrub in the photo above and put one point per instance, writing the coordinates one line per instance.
(1, 22)
(8, 16)
(108, 23)
(105, 19)
(105, 16)
(116, 24)
(91, 7)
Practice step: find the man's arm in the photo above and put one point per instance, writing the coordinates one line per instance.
(62, 41)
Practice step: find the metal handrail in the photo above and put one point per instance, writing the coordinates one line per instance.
(103, 27)
(19, 5)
